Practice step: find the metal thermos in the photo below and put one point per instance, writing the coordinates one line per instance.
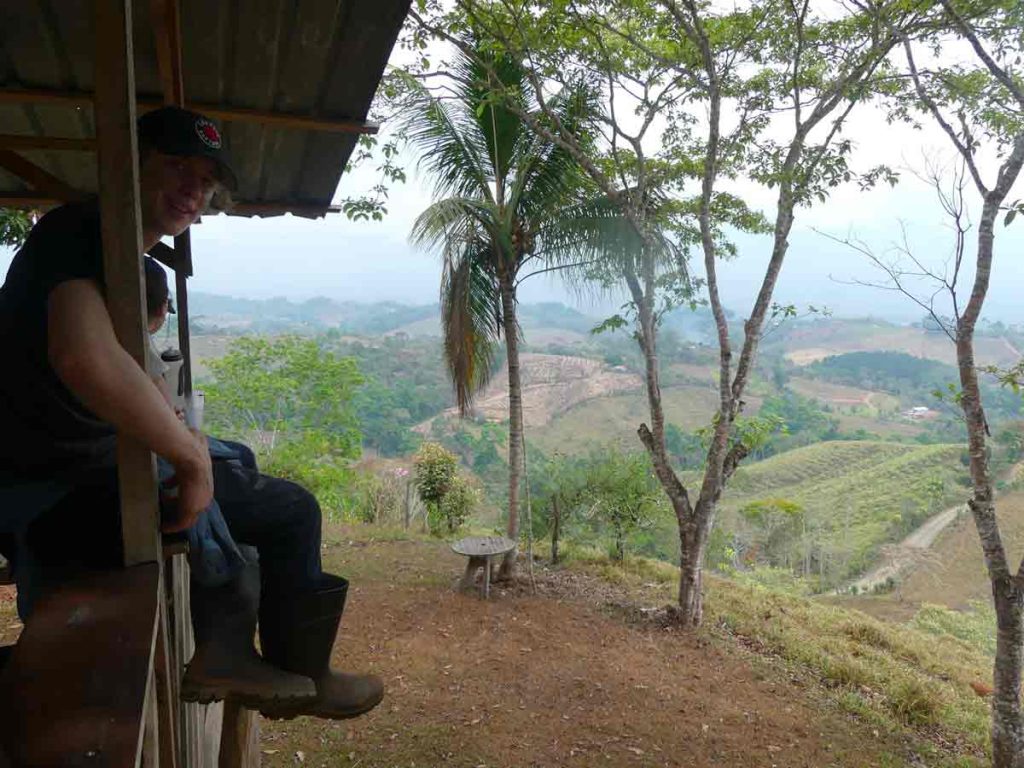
(175, 374)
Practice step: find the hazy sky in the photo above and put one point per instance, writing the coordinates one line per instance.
(371, 261)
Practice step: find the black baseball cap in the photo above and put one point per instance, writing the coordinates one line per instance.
(181, 132)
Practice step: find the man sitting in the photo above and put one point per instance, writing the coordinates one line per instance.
(70, 387)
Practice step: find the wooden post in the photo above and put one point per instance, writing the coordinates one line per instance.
(239, 738)
(121, 222)
(183, 250)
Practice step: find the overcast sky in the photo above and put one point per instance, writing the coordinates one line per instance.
(372, 261)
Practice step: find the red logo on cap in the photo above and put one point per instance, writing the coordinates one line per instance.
(208, 133)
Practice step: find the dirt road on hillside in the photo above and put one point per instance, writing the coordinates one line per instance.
(900, 558)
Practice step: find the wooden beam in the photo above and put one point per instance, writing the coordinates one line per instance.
(42, 181)
(285, 119)
(28, 201)
(165, 255)
(218, 111)
(12, 141)
(183, 249)
(167, 37)
(121, 226)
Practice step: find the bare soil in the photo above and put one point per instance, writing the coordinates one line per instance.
(552, 384)
(550, 679)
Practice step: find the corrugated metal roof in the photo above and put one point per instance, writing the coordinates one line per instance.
(316, 58)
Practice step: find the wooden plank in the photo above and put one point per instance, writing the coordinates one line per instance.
(149, 750)
(18, 141)
(223, 112)
(167, 674)
(122, 262)
(264, 208)
(240, 737)
(84, 662)
(191, 716)
(166, 17)
(42, 181)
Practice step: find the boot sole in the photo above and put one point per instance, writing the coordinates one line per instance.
(289, 713)
(209, 694)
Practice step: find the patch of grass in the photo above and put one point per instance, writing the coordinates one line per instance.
(914, 701)
(975, 628)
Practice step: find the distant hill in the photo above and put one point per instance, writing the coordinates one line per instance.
(806, 342)
(212, 313)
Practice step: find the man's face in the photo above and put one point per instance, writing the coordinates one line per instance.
(174, 191)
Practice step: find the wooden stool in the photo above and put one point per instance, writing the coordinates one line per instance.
(480, 550)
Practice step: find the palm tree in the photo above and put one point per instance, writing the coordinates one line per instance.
(504, 198)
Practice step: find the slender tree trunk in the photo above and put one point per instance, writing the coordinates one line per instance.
(1007, 596)
(693, 541)
(556, 525)
(515, 421)
(1007, 722)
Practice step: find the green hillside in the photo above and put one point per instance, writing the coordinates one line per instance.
(857, 495)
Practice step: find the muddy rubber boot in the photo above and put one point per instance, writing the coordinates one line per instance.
(297, 633)
(225, 663)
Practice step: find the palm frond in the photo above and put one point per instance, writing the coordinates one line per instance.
(550, 175)
(471, 320)
(489, 81)
(451, 150)
(452, 222)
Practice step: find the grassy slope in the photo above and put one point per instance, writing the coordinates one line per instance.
(954, 574)
(896, 677)
(854, 491)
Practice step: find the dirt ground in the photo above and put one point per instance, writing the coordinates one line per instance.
(561, 677)
(526, 680)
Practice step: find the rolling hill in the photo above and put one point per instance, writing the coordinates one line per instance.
(858, 495)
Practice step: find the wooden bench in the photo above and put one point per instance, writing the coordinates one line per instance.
(480, 550)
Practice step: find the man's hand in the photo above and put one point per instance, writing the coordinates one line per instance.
(194, 476)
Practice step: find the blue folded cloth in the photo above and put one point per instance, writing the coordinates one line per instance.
(213, 555)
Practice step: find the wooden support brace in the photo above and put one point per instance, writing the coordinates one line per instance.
(42, 181)
(50, 143)
(165, 255)
(121, 222)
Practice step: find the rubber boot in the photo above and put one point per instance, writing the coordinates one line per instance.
(225, 663)
(297, 633)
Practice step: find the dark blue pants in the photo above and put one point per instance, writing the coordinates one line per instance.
(277, 517)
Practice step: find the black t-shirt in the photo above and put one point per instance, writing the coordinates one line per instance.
(44, 430)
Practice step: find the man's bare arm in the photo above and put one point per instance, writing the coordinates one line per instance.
(85, 353)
